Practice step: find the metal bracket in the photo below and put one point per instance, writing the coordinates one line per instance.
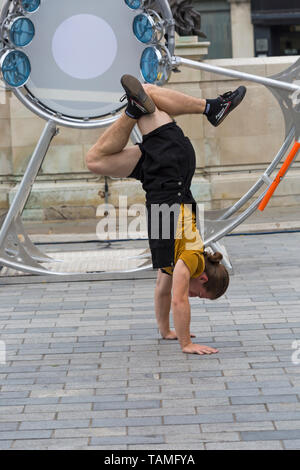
(16, 236)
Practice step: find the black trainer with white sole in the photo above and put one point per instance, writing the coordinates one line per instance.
(139, 103)
(224, 104)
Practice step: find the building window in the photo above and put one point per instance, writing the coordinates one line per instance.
(276, 27)
(216, 24)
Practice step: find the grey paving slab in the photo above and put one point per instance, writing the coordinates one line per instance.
(270, 435)
(255, 445)
(292, 444)
(264, 399)
(128, 440)
(85, 374)
(49, 444)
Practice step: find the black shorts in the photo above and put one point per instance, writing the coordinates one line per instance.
(166, 168)
(167, 155)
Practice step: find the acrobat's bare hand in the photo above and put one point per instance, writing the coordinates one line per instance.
(199, 349)
(172, 335)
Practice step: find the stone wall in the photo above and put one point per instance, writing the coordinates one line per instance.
(229, 158)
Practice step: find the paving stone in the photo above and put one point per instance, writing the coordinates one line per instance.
(255, 445)
(126, 405)
(199, 419)
(8, 426)
(184, 446)
(264, 399)
(49, 444)
(90, 432)
(112, 422)
(103, 414)
(5, 445)
(271, 415)
(54, 424)
(24, 435)
(292, 444)
(245, 426)
(188, 430)
(270, 435)
(162, 412)
(202, 437)
(127, 440)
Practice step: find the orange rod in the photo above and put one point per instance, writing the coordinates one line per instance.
(286, 164)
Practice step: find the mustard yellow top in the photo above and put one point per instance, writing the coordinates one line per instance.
(188, 243)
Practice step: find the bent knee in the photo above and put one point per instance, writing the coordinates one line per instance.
(149, 88)
(95, 165)
(89, 160)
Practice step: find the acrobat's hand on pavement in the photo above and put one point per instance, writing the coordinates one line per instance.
(199, 349)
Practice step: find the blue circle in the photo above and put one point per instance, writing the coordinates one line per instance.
(133, 4)
(142, 28)
(30, 5)
(22, 32)
(149, 65)
(16, 68)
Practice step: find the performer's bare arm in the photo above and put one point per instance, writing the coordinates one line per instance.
(163, 296)
(182, 311)
(163, 299)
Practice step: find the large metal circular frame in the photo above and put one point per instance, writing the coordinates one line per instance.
(32, 101)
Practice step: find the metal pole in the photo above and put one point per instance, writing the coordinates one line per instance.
(178, 61)
(168, 15)
(30, 174)
(4, 11)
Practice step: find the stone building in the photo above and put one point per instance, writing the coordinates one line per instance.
(247, 28)
(227, 25)
(276, 27)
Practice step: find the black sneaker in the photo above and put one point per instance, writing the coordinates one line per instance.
(139, 103)
(224, 104)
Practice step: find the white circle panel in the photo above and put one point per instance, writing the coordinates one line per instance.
(84, 46)
(78, 55)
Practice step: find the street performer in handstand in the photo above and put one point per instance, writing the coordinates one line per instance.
(165, 164)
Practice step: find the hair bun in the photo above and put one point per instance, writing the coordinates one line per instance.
(215, 257)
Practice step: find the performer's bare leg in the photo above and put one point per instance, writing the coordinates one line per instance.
(174, 102)
(109, 157)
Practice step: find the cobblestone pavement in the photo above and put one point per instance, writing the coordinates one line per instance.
(85, 367)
